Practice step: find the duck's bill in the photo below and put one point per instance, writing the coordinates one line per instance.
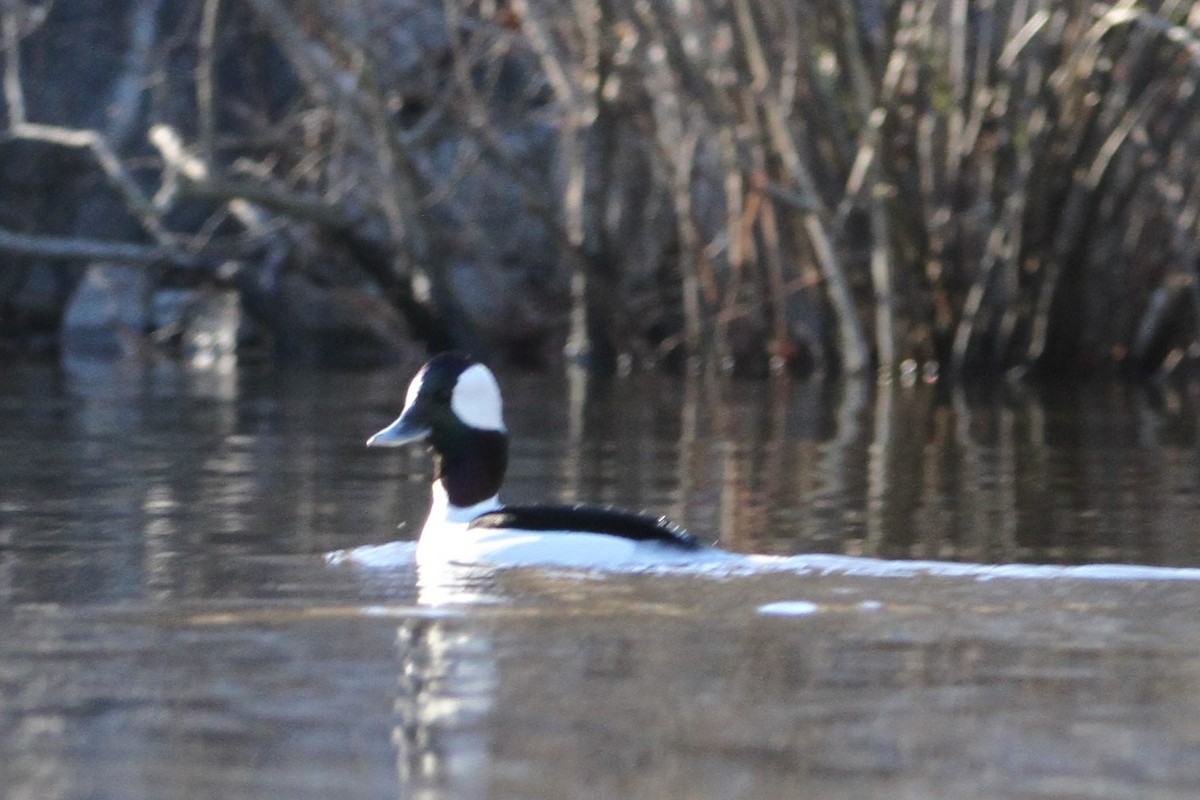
(404, 430)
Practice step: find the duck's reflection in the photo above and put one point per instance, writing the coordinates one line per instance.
(447, 683)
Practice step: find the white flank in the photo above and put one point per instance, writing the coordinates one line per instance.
(476, 399)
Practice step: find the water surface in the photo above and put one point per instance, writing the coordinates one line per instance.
(171, 629)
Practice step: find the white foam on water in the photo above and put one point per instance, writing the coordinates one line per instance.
(718, 564)
(392, 555)
(789, 608)
(856, 566)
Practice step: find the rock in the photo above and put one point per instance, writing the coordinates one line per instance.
(210, 333)
(204, 322)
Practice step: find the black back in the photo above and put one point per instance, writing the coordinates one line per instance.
(588, 519)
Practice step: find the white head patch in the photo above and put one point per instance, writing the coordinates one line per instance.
(476, 399)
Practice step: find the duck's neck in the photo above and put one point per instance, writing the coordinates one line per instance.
(470, 470)
(442, 510)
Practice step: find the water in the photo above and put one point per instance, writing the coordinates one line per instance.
(169, 627)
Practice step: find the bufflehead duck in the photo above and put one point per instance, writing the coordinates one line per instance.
(454, 404)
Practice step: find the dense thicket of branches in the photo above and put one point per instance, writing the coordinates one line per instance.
(835, 184)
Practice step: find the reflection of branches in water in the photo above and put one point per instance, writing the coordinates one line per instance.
(839, 463)
(893, 471)
(879, 462)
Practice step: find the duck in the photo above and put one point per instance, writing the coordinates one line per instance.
(454, 406)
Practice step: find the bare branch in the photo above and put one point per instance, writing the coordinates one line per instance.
(77, 249)
(854, 353)
(205, 77)
(95, 142)
(193, 179)
(14, 95)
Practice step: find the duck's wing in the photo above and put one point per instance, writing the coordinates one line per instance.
(588, 519)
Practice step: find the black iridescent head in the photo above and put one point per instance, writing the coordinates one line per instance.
(454, 404)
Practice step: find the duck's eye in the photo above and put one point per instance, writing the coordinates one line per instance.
(442, 396)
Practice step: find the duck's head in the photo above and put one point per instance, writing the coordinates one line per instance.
(454, 403)
(451, 395)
